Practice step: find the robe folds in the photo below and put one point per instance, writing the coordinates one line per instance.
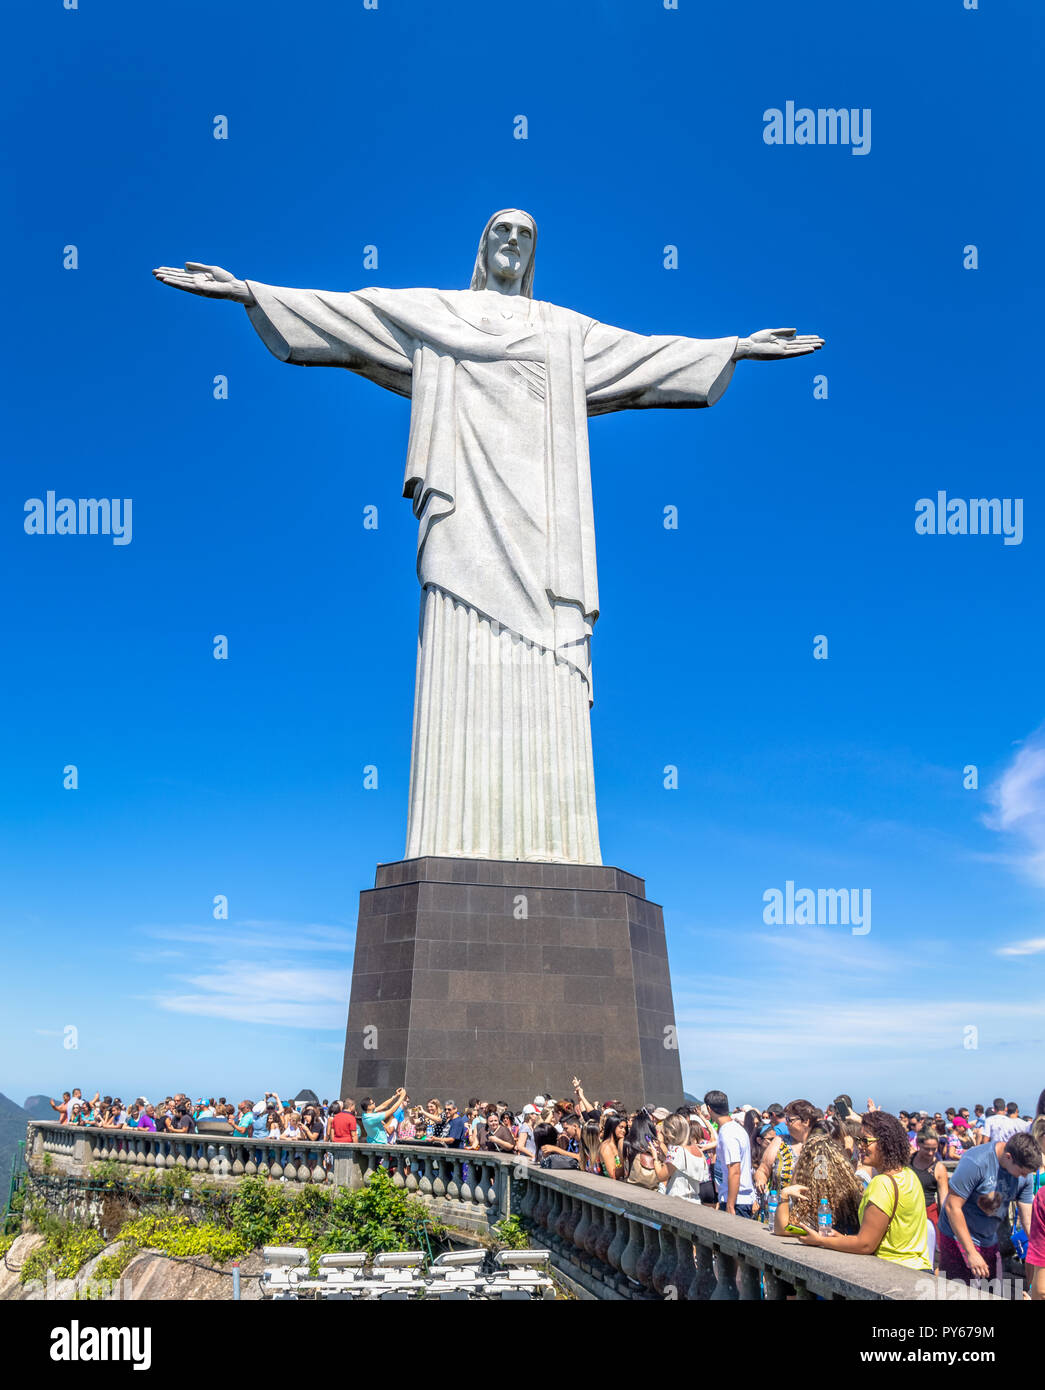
(498, 474)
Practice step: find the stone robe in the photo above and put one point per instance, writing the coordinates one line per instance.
(497, 470)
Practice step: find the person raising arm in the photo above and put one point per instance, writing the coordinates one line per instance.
(374, 1117)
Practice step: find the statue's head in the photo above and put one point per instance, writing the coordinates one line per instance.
(506, 249)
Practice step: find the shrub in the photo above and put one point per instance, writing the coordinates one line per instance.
(107, 1272)
(378, 1216)
(43, 1222)
(174, 1234)
(66, 1249)
(108, 1173)
(111, 1266)
(509, 1235)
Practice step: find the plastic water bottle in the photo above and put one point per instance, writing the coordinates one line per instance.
(824, 1220)
(774, 1202)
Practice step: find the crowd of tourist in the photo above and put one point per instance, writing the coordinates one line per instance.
(868, 1183)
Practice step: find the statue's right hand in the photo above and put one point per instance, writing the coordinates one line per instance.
(210, 281)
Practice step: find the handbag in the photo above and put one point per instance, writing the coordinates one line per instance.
(646, 1177)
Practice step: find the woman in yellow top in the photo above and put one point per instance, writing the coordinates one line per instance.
(893, 1223)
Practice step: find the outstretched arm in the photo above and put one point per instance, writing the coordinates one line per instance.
(372, 332)
(630, 371)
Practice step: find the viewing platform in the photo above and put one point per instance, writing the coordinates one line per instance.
(612, 1240)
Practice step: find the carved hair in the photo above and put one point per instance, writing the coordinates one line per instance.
(479, 273)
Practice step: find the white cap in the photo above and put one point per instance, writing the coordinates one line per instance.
(260, 1108)
(529, 1110)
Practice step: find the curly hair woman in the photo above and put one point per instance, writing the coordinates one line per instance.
(822, 1169)
(893, 1223)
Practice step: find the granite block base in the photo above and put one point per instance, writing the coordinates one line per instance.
(503, 980)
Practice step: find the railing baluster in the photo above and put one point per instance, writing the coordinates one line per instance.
(706, 1280)
(749, 1281)
(685, 1274)
(629, 1260)
(649, 1256)
(618, 1243)
(726, 1285)
(453, 1186)
(438, 1181)
(424, 1182)
(578, 1224)
(666, 1263)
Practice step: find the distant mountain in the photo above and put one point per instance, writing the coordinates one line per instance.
(13, 1120)
(39, 1108)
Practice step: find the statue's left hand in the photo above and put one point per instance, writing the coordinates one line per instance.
(770, 343)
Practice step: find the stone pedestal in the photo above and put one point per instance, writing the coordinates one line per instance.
(501, 979)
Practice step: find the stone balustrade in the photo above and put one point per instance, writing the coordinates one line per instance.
(620, 1241)
(613, 1240)
(218, 1155)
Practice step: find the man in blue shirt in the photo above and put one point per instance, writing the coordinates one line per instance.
(456, 1128)
(987, 1179)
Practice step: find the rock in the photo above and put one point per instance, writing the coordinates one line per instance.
(150, 1276)
(11, 1265)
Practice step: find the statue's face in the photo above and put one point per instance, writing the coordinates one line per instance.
(509, 246)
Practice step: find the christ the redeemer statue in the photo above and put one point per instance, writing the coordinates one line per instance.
(501, 385)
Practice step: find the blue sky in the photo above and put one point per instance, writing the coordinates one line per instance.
(394, 127)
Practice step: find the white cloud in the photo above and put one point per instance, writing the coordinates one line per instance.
(272, 937)
(1019, 806)
(244, 971)
(246, 992)
(1033, 947)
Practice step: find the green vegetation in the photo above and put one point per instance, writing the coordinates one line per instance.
(66, 1249)
(378, 1216)
(509, 1235)
(174, 1233)
(107, 1273)
(163, 1183)
(37, 1218)
(108, 1173)
(110, 1267)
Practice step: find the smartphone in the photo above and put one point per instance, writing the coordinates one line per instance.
(796, 1230)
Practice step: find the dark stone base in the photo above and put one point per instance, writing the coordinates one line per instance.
(501, 980)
